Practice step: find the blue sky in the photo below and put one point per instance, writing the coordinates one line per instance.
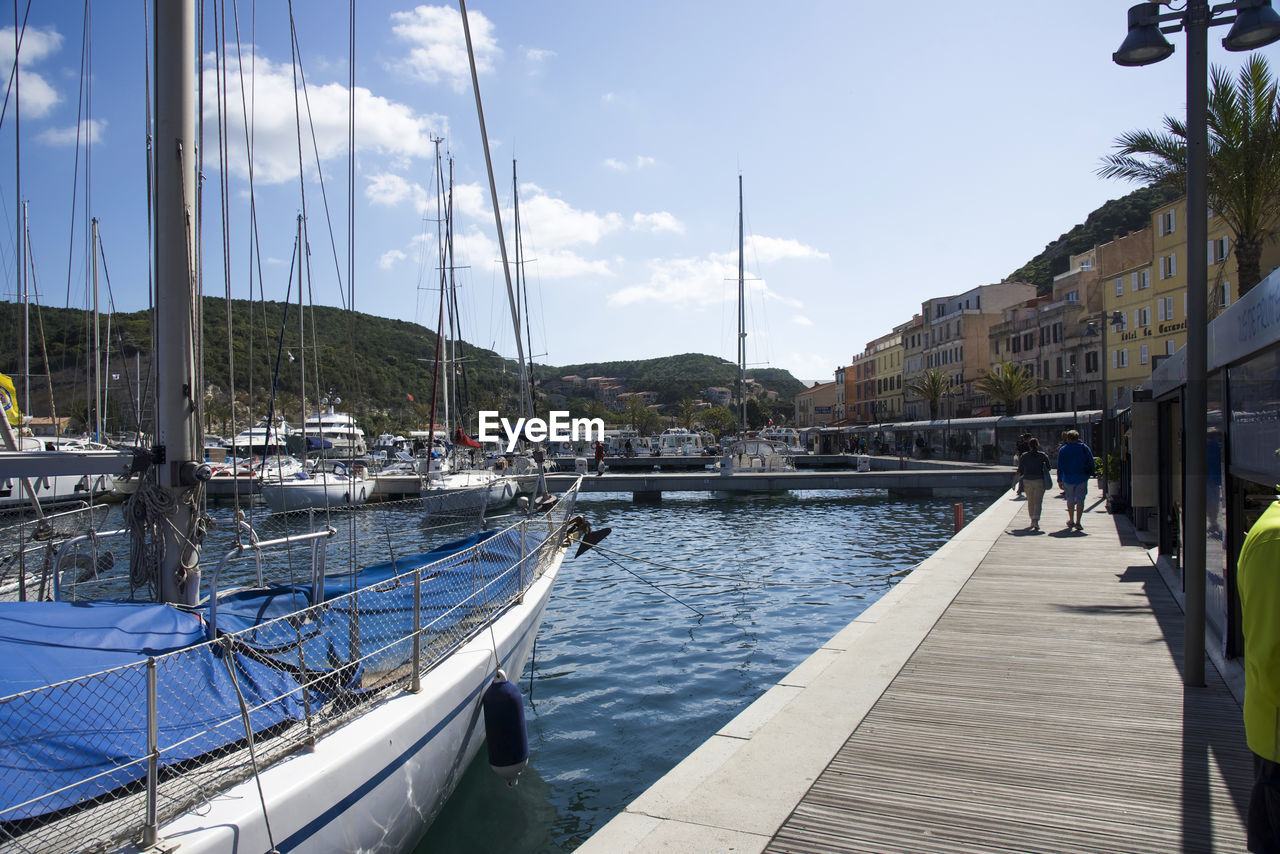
(884, 161)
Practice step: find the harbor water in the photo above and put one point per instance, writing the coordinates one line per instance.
(699, 607)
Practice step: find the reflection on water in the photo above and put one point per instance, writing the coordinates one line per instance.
(629, 678)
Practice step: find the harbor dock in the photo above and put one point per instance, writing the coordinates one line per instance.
(1017, 691)
(941, 482)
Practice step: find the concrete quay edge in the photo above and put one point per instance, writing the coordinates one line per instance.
(736, 789)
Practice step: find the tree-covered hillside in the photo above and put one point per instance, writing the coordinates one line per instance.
(382, 369)
(686, 375)
(1116, 218)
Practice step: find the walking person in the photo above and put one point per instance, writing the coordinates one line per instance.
(1258, 580)
(599, 458)
(1035, 476)
(1019, 449)
(1075, 467)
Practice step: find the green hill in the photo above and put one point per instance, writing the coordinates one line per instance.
(1116, 218)
(388, 384)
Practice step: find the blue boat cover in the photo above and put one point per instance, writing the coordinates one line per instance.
(76, 727)
(80, 728)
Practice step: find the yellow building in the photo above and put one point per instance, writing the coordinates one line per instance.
(1147, 285)
(887, 351)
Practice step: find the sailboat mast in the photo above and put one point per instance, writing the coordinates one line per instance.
(526, 401)
(97, 342)
(26, 304)
(742, 321)
(302, 349)
(177, 286)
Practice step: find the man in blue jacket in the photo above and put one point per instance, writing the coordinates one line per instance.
(1075, 467)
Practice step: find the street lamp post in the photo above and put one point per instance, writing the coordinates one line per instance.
(1254, 25)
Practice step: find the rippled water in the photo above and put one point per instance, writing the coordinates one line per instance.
(628, 677)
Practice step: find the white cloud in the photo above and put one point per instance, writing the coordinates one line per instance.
(683, 281)
(657, 223)
(382, 126)
(438, 48)
(801, 320)
(608, 97)
(390, 258)
(641, 162)
(88, 131)
(472, 200)
(38, 96)
(769, 249)
(390, 190)
(538, 55)
(549, 223)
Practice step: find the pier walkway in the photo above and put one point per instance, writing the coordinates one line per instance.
(1017, 692)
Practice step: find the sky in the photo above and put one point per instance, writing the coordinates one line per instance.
(883, 160)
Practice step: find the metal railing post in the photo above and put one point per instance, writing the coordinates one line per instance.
(150, 827)
(415, 683)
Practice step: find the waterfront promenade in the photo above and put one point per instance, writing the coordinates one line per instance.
(1017, 692)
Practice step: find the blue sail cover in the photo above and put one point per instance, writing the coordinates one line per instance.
(79, 728)
(60, 724)
(458, 582)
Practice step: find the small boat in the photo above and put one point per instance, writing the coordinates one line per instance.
(756, 455)
(467, 491)
(329, 485)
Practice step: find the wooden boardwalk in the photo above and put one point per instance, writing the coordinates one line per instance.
(1043, 712)
(1018, 692)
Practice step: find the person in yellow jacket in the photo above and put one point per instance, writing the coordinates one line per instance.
(1258, 580)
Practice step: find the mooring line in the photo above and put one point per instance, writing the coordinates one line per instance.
(861, 582)
(650, 583)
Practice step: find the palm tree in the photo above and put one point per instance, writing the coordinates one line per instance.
(1243, 178)
(931, 386)
(1008, 384)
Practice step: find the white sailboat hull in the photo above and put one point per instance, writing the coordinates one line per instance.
(468, 492)
(377, 782)
(317, 491)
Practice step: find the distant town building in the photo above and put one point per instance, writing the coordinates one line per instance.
(815, 406)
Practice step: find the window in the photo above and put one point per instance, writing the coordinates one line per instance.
(1073, 296)
(1057, 332)
(1144, 278)
(1120, 286)
(1046, 369)
(1170, 348)
(1058, 365)
(1164, 308)
(1142, 316)
(1028, 341)
(1166, 223)
(1225, 295)
(1143, 356)
(1168, 266)
(1120, 358)
(1218, 250)
(1091, 362)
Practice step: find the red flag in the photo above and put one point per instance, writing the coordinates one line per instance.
(408, 397)
(460, 438)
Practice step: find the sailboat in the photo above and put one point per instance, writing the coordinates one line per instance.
(329, 713)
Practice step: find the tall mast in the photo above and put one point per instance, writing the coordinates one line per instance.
(97, 342)
(177, 285)
(525, 400)
(26, 303)
(302, 349)
(742, 321)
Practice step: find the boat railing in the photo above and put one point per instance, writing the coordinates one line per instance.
(64, 552)
(156, 737)
(257, 546)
